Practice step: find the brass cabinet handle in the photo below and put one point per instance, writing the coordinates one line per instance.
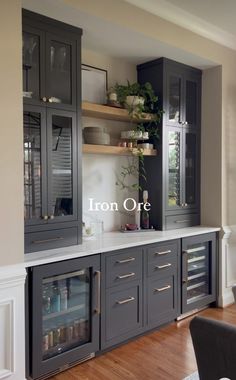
(97, 309)
(126, 275)
(163, 252)
(182, 221)
(162, 289)
(130, 299)
(125, 260)
(47, 240)
(163, 266)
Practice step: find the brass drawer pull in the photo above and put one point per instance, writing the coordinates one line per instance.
(47, 240)
(126, 275)
(125, 260)
(163, 252)
(183, 221)
(163, 266)
(130, 299)
(162, 289)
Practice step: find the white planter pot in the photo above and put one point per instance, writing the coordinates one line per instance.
(134, 101)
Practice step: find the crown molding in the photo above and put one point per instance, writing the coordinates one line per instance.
(180, 17)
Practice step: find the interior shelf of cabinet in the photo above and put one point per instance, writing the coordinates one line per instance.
(116, 150)
(111, 113)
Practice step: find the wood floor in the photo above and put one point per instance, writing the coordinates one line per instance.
(166, 354)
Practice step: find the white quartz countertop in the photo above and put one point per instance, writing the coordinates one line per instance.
(111, 241)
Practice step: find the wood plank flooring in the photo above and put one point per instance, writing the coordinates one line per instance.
(166, 354)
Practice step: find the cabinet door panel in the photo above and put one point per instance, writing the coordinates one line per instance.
(62, 168)
(162, 300)
(33, 46)
(191, 177)
(174, 105)
(60, 72)
(174, 169)
(35, 185)
(192, 106)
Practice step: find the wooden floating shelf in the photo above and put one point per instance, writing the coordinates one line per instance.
(115, 150)
(111, 113)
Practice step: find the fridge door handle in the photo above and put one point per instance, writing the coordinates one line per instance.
(97, 308)
(184, 266)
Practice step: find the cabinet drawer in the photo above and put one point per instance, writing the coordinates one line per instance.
(38, 241)
(123, 313)
(162, 300)
(162, 258)
(123, 267)
(182, 221)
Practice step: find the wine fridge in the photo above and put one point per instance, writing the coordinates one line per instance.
(198, 271)
(63, 315)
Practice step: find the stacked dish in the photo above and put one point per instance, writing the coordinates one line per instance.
(96, 135)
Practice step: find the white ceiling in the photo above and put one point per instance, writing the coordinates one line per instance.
(107, 38)
(213, 19)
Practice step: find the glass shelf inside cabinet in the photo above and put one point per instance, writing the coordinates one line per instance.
(197, 272)
(66, 312)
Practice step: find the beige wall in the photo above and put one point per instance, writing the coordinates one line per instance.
(11, 168)
(150, 25)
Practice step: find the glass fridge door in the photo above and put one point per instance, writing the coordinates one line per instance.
(174, 170)
(198, 271)
(66, 312)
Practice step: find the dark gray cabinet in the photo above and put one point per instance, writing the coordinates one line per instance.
(122, 298)
(63, 314)
(161, 283)
(173, 177)
(52, 133)
(198, 271)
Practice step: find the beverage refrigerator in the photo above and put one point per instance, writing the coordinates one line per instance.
(198, 271)
(63, 307)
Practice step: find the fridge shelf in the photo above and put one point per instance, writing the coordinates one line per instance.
(194, 267)
(194, 276)
(63, 312)
(196, 285)
(63, 347)
(199, 258)
(196, 298)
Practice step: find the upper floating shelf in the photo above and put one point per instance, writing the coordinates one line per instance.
(111, 113)
(114, 150)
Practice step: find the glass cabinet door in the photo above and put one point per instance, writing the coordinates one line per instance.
(174, 171)
(35, 206)
(62, 174)
(192, 106)
(191, 170)
(198, 270)
(174, 110)
(60, 72)
(32, 60)
(65, 312)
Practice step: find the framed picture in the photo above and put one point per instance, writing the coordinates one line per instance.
(94, 84)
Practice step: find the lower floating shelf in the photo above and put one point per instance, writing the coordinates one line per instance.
(116, 150)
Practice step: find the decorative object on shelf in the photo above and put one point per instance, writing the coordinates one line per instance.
(94, 84)
(96, 135)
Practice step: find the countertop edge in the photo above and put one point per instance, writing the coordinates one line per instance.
(111, 241)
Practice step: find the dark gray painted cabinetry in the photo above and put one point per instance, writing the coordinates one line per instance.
(52, 133)
(161, 283)
(122, 298)
(173, 177)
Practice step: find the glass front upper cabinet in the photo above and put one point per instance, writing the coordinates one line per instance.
(191, 195)
(174, 108)
(61, 171)
(191, 103)
(60, 72)
(34, 165)
(174, 169)
(32, 60)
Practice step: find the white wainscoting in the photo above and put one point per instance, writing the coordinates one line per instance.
(12, 322)
(227, 265)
